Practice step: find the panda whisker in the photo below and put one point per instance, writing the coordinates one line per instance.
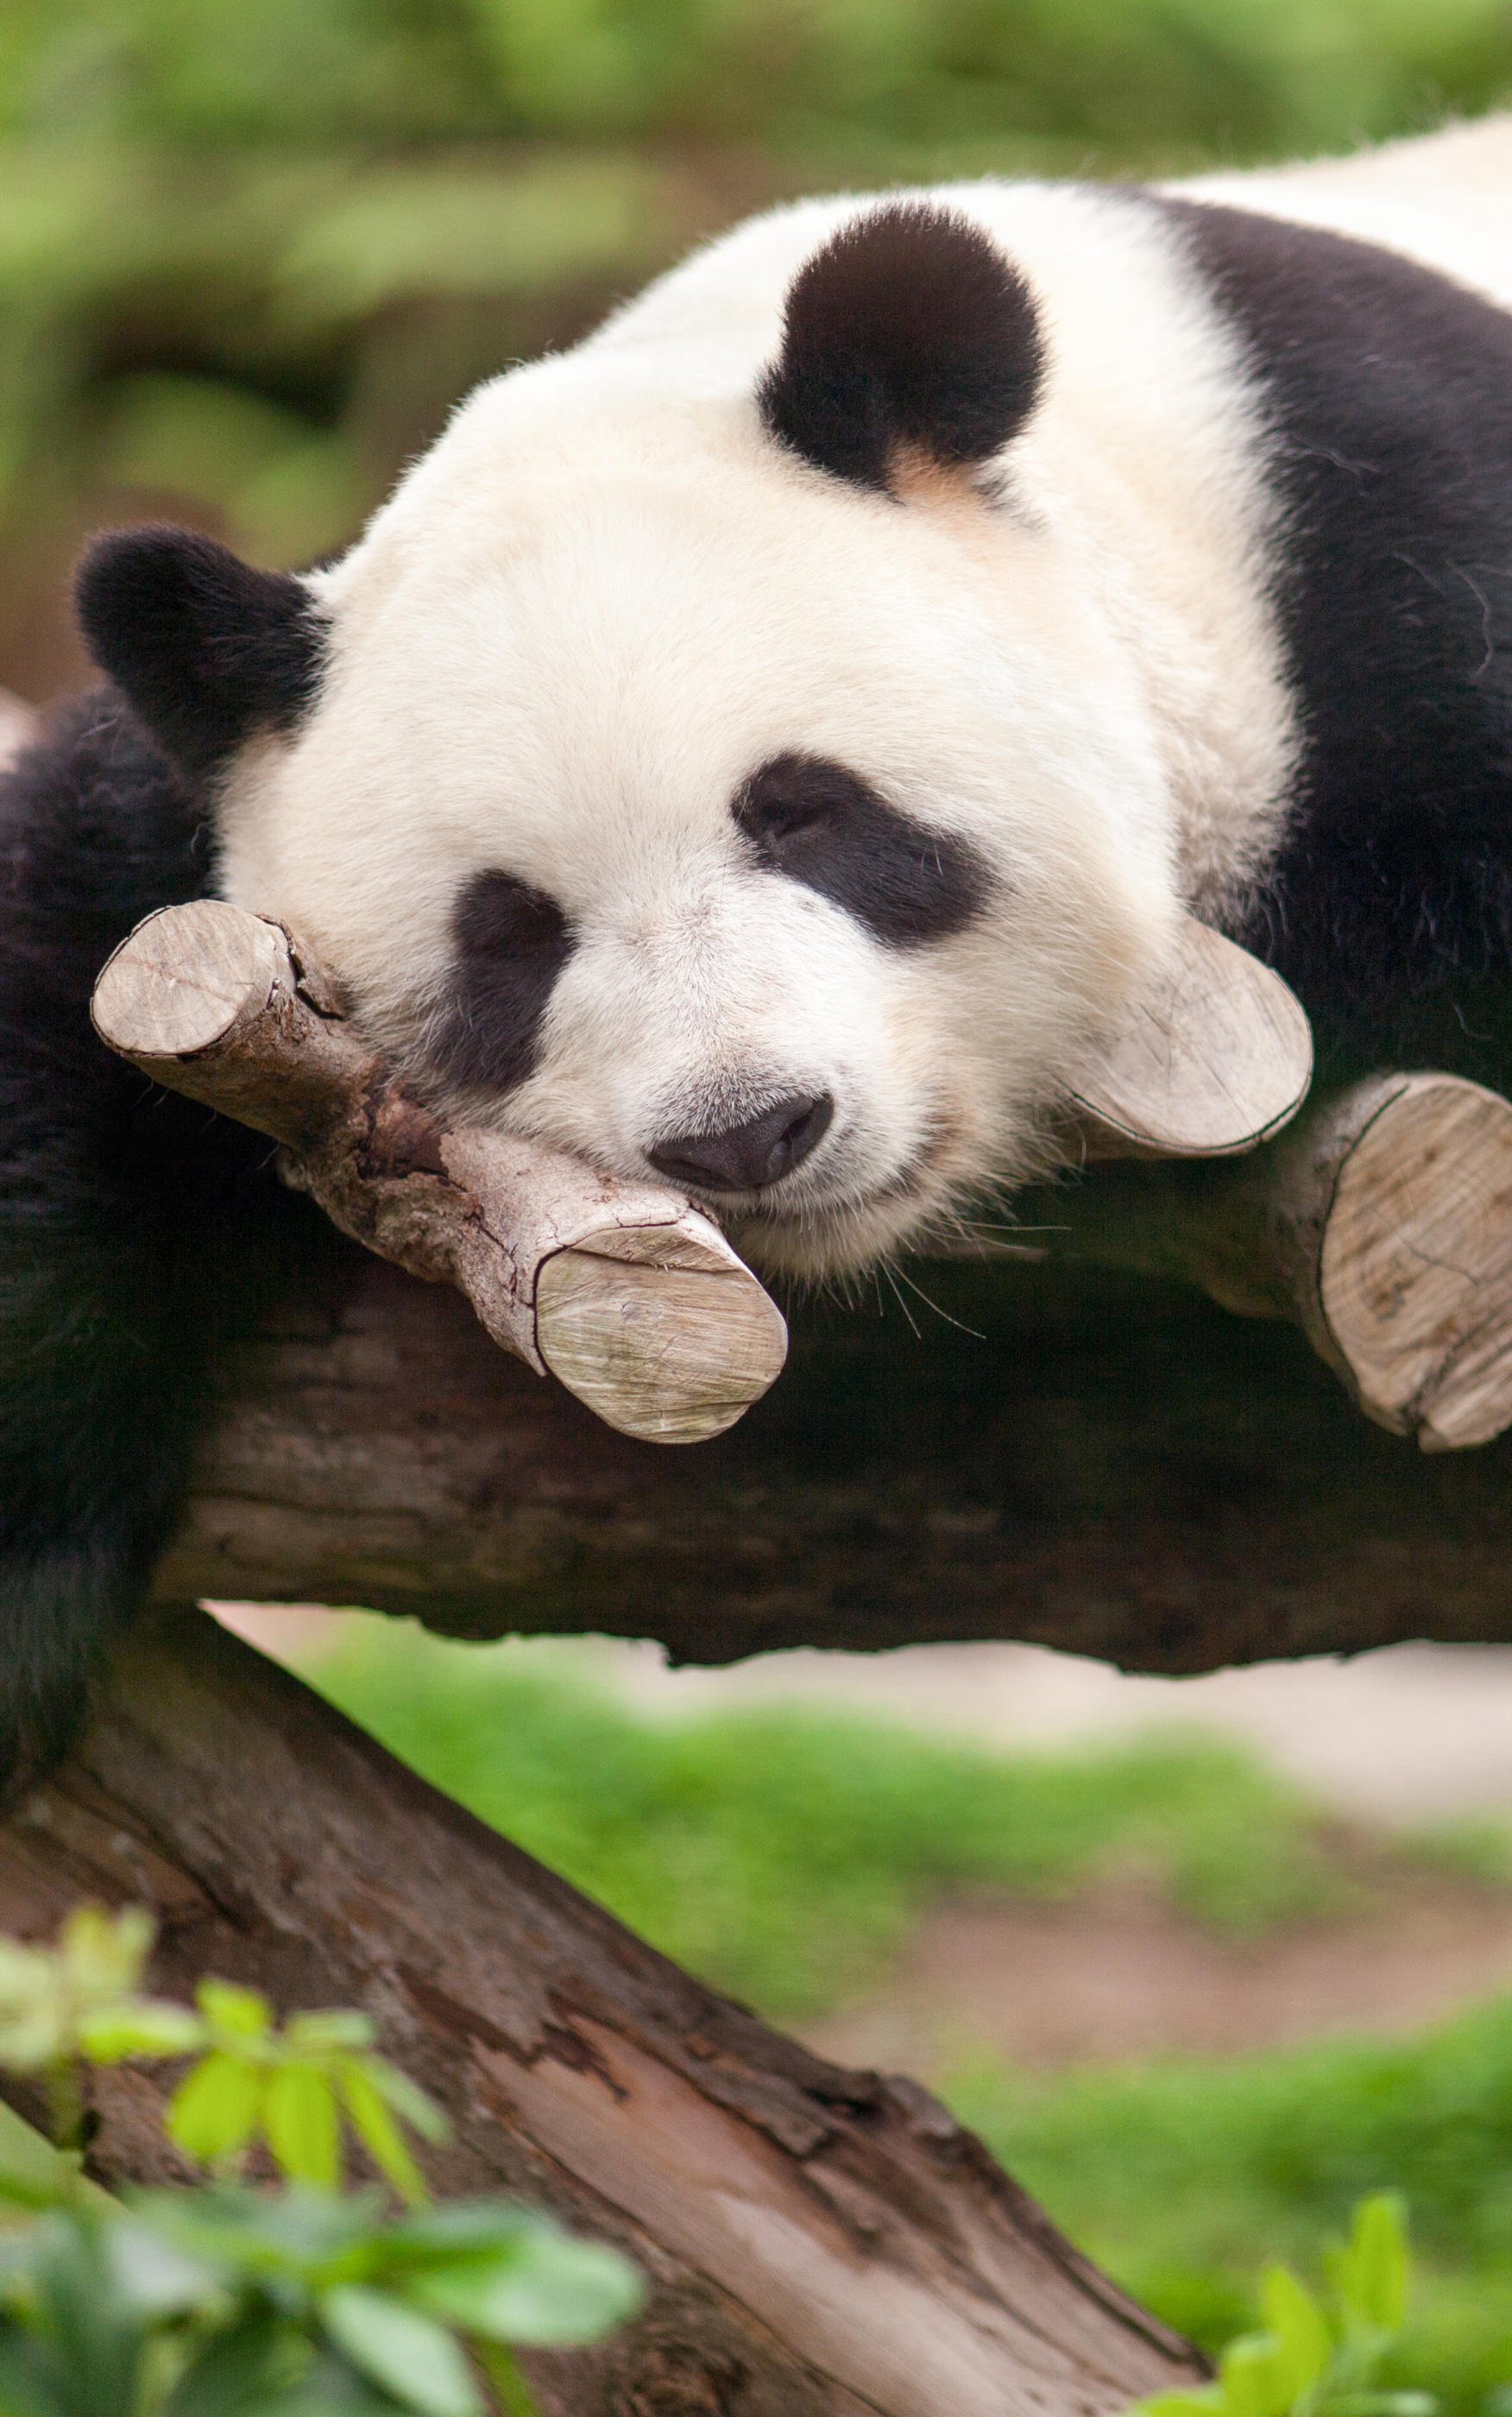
(956, 1322)
(886, 1268)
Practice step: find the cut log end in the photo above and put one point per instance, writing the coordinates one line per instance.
(659, 1348)
(1214, 1059)
(184, 979)
(1415, 1271)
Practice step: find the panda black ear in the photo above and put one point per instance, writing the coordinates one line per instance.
(909, 328)
(206, 648)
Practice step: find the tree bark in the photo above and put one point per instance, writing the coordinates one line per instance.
(818, 2244)
(1065, 1454)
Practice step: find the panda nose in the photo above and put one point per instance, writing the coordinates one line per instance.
(743, 1157)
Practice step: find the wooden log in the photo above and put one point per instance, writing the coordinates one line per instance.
(1381, 1224)
(1211, 1061)
(818, 2243)
(624, 1291)
(1077, 1456)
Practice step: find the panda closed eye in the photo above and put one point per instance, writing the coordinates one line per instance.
(510, 943)
(821, 824)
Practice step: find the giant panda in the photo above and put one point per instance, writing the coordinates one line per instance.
(765, 745)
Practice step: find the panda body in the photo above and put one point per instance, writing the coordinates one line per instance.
(765, 745)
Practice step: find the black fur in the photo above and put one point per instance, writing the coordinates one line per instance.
(1389, 393)
(126, 1218)
(908, 328)
(825, 827)
(511, 943)
(206, 649)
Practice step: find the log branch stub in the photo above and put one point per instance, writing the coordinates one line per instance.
(1380, 1223)
(1214, 1057)
(623, 1291)
(818, 2243)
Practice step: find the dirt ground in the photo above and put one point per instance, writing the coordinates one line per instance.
(1117, 1973)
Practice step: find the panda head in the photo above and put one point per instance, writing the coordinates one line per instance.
(704, 762)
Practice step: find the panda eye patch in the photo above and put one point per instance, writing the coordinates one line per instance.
(824, 825)
(509, 944)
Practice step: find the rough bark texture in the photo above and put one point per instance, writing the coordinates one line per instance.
(819, 2244)
(1088, 1459)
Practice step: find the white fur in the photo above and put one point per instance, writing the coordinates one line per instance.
(607, 595)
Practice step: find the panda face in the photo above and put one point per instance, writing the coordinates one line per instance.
(718, 828)
(729, 765)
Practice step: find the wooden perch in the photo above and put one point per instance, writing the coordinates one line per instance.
(1381, 1224)
(818, 2243)
(630, 1295)
(1213, 1059)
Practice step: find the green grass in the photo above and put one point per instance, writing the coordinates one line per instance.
(784, 1852)
(1181, 2176)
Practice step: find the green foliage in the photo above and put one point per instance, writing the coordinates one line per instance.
(83, 1998)
(1313, 2362)
(213, 2302)
(296, 2089)
(249, 256)
(1177, 2175)
(783, 1852)
(229, 2301)
(195, 72)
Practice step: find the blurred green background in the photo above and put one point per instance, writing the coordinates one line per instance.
(251, 254)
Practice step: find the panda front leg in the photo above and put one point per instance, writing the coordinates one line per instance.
(1380, 1221)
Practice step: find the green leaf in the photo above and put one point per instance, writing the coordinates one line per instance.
(462, 2225)
(243, 2372)
(35, 2174)
(326, 2033)
(378, 2132)
(1254, 2373)
(33, 2008)
(144, 2027)
(1371, 2269)
(151, 2275)
(303, 2126)
(295, 2233)
(547, 2290)
(330, 2387)
(1300, 2324)
(508, 2386)
(1383, 2404)
(407, 2099)
(244, 2014)
(103, 1955)
(416, 2360)
(212, 2114)
(30, 2385)
(1179, 2404)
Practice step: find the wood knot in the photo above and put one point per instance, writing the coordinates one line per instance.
(403, 1138)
